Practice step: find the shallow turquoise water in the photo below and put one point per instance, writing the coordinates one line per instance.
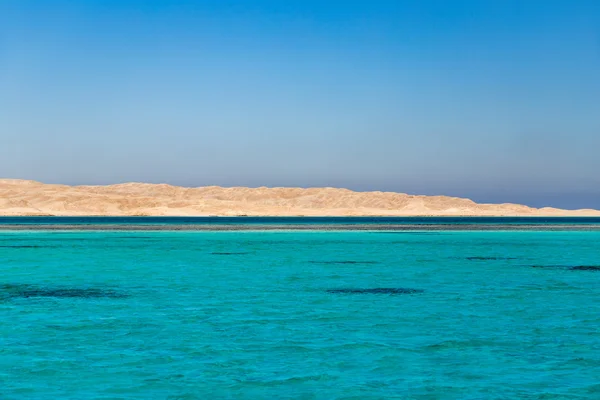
(251, 315)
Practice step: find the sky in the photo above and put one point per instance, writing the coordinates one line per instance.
(494, 100)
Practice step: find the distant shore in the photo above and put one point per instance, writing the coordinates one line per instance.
(30, 198)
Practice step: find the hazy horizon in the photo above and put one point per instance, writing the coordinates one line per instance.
(493, 101)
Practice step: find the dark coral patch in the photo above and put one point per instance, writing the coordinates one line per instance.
(30, 291)
(586, 268)
(229, 253)
(571, 267)
(344, 262)
(25, 247)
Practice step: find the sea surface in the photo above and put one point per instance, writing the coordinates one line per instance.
(300, 314)
(265, 221)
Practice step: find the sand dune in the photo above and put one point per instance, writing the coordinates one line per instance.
(20, 197)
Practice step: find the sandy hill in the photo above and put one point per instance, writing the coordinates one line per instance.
(20, 197)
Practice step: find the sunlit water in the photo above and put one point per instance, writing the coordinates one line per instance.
(311, 315)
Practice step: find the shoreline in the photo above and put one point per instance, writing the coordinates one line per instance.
(244, 216)
(305, 227)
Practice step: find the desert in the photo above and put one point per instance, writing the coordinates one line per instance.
(31, 198)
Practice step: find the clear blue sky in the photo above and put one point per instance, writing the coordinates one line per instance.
(496, 100)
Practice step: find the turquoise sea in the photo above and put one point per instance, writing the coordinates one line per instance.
(300, 314)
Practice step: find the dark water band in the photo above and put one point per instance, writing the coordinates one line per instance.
(297, 227)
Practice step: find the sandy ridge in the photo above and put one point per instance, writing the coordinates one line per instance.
(22, 197)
